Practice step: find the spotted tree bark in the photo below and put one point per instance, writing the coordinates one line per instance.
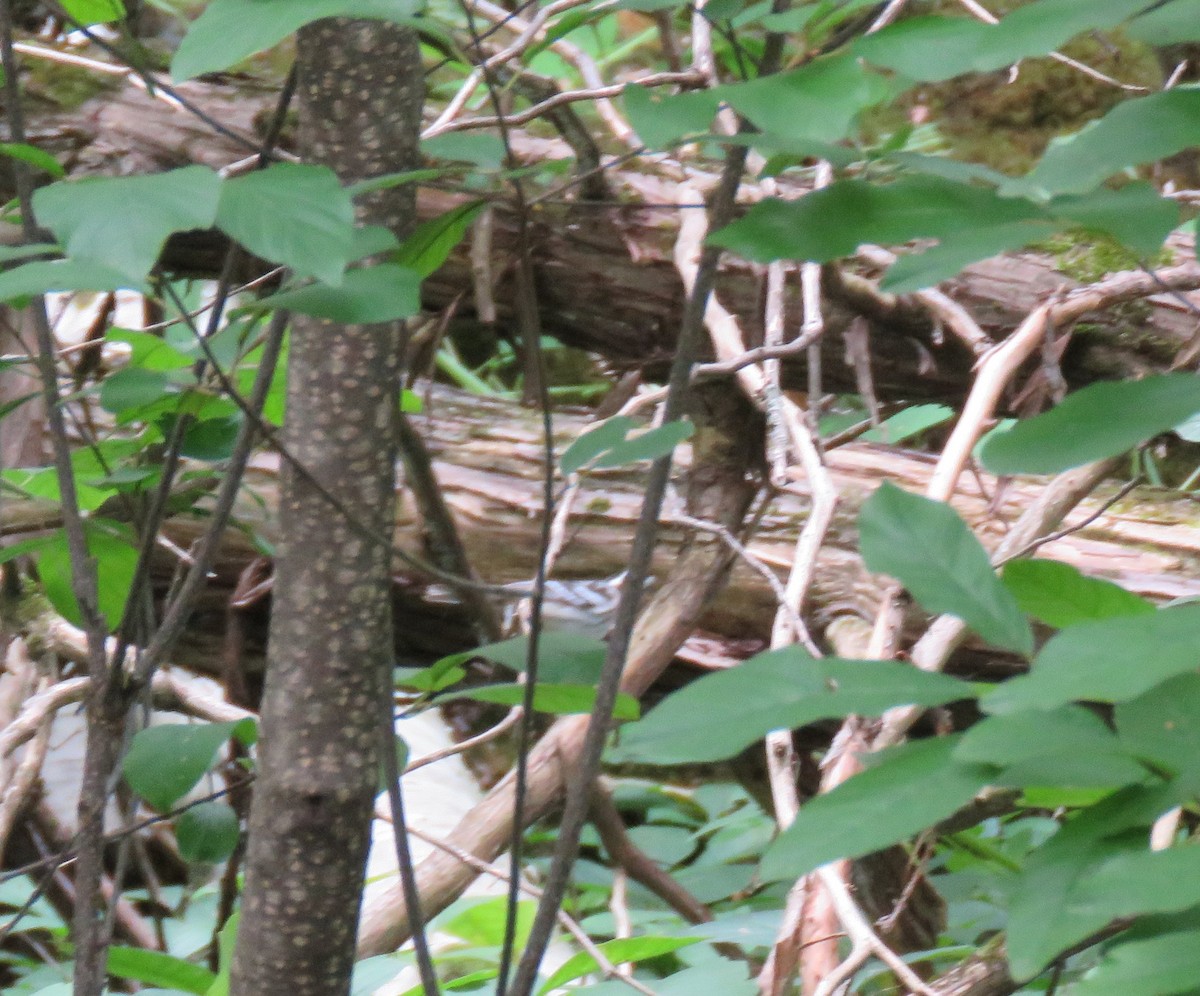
(360, 91)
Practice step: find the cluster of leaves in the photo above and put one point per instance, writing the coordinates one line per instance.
(1101, 733)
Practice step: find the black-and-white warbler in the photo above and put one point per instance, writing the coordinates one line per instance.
(586, 607)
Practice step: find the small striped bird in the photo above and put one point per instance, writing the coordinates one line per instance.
(586, 607)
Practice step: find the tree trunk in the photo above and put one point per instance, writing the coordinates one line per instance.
(360, 96)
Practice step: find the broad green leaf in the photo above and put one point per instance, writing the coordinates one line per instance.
(830, 223)
(150, 352)
(207, 832)
(211, 439)
(1108, 830)
(562, 657)
(964, 44)
(560, 699)
(1171, 23)
(380, 293)
(908, 423)
(429, 246)
(89, 12)
(1113, 660)
(821, 100)
(31, 154)
(482, 923)
(1060, 596)
(1134, 132)
(157, 968)
(932, 552)
(1145, 963)
(1138, 882)
(1101, 421)
(44, 276)
(1135, 215)
(116, 558)
(618, 952)
(648, 445)
(132, 388)
(1163, 724)
(595, 441)
(1001, 740)
(910, 789)
(661, 119)
(389, 180)
(291, 213)
(120, 223)
(229, 31)
(371, 240)
(165, 762)
(915, 271)
(718, 715)
(476, 147)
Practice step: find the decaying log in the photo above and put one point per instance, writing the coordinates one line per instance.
(605, 279)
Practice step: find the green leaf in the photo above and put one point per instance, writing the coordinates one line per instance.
(165, 762)
(1108, 830)
(915, 271)
(648, 445)
(1173, 22)
(661, 119)
(116, 558)
(821, 100)
(121, 223)
(1060, 596)
(1134, 132)
(1113, 660)
(908, 423)
(207, 832)
(595, 441)
(830, 223)
(1135, 215)
(295, 214)
(44, 276)
(132, 388)
(483, 922)
(229, 31)
(227, 941)
(1163, 724)
(1069, 746)
(150, 352)
(381, 293)
(157, 968)
(89, 12)
(1100, 421)
(965, 45)
(430, 245)
(560, 699)
(911, 788)
(478, 148)
(31, 154)
(720, 714)
(618, 952)
(932, 552)
(563, 657)
(1146, 965)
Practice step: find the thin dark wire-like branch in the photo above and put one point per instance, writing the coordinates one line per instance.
(103, 741)
(535, 389)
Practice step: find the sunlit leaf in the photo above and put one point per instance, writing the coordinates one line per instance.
(31, 154)
(618, 952)
(1059, 595)
(563, 699)
(157, 968)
